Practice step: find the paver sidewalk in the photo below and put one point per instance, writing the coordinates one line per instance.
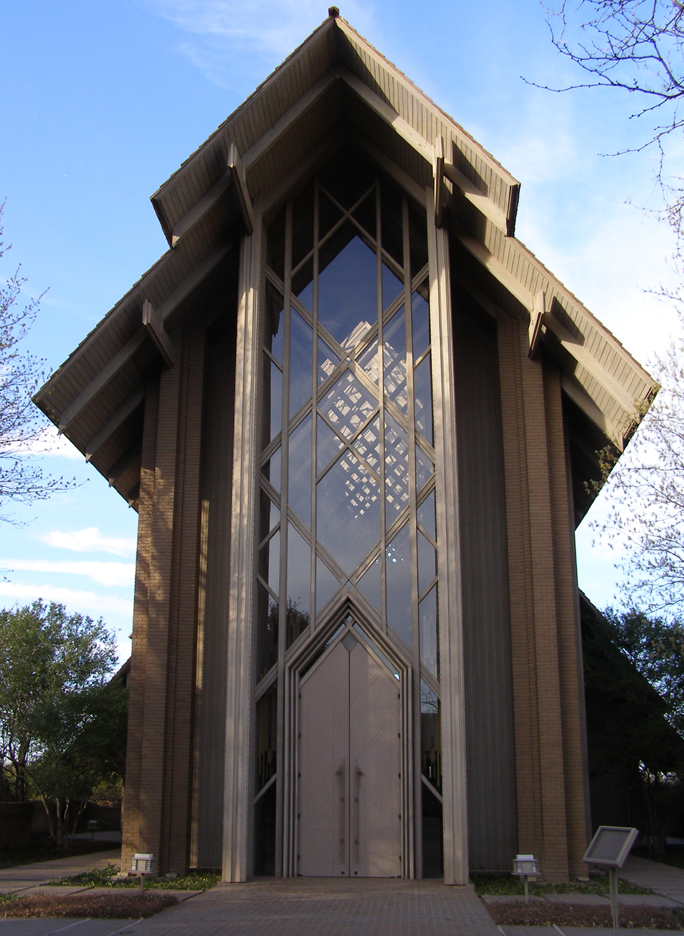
(660, 878)
(23, 877)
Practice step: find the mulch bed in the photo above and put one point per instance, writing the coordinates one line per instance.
(543, 913)
(115, 906)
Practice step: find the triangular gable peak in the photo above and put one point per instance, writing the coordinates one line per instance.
(336, 87)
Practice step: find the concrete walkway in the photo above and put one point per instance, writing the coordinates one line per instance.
(24, 877)
(660, 878)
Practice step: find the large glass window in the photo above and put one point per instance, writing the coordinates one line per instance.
(347, 483)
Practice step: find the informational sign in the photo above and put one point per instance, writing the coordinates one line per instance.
(610, 846)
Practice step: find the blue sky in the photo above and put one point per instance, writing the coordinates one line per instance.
(100, 103)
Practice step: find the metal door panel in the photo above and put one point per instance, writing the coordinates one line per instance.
(375, 768)
(324, 767)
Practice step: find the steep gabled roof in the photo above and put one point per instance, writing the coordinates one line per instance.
(334, 86)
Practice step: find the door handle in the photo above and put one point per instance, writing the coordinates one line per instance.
(357, 813)
(340, 774)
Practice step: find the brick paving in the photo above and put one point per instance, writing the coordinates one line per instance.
(661, 879)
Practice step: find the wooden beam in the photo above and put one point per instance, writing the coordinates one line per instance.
(156, 331)
(439, 190)
(536, 326)
(590, 409)
(124, 462)
(477, 197)
(191, 282)
(237, 173)
(99, 382)
(120, 417)
(201, 208)
(389, 115)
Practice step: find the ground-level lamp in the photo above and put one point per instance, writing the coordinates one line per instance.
(525, 867)
(609, 849)
(143, 866)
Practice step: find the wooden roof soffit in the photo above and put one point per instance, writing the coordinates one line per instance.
(237, 173)
(117, 420)
(439, 189)
(124, 462)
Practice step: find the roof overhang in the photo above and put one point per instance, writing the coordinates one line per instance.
(336, 87)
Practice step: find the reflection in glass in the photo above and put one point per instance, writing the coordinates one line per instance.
(268, 514)
(346, 287)
(394, 354)
(327, 361)
(327, 443)
(422, 383)
(348, 405)
(398, 573)
(266, 709)
(348, 512)
(273, 399)
(301, 352)
(267, 631)
(265, 832)
(392, 286)
(427, 620)
(298, 585)
(424, 468)
(299, 484)
(269, 562)
(433, 850)
(367, 445)
(430, 736)
(370, 585)
(426, 515)
(420, 316)
(271, 470)
(392, 225)
(326, 584)
(273, 326)
(302, 285)
(427, 563)
(396, 469)
(365, 214)
(370, 361)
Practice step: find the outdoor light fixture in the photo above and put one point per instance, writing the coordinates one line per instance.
(143, 866)
(525, 866)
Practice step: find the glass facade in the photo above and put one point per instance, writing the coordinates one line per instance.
(347, 488)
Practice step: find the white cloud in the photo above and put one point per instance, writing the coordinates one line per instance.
(105, 573)
(83, 600)
(48, 443)
(90, 540)
(224, 29)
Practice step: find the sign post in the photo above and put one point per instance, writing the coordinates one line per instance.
(609, 849)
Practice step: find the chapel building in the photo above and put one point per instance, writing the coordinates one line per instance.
(359, 422)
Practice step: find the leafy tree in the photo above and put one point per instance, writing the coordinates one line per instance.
(21, 374)
(62, 722)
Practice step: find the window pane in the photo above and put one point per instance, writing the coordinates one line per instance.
(301, 359)
(268, 514)
(302, 225)
(427, 618)
(347, 287)
(273, 326)
(326, 584)
(365, 214)
(348, 405)
(426, 515)
(424, 468)
(271, 470)
(368, 445)
(302, 285)
(430, 736)
(433, 862)
(392, 227)
(422, 384)
(392, 286)
(398, 571)
(417, 237)
(267, 632)
(394, 353)
(396, 470)
(327, 361)
(328, 214)
(370, 362)
(273, 401)
(370, 585)
(348, 512)
(420, 316)
(275, 248)
(269, 562)
(299, 489)
(266, 727)
(427, 563)
(298, 585)
(327, 443)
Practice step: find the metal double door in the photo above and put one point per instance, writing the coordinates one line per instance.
(350, 788)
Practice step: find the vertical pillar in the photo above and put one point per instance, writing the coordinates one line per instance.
(237, 788)
(540, 765)
(455, 812)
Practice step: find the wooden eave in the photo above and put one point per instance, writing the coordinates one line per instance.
(336, 87)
